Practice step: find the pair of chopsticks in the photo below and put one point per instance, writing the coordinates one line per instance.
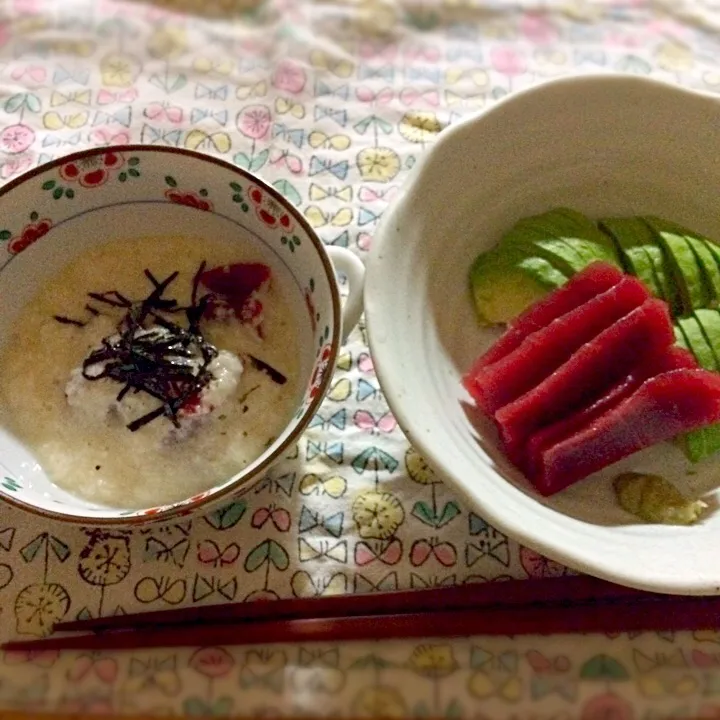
(570, 604)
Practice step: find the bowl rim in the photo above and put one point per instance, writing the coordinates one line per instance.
(378, 326)
(182, 507)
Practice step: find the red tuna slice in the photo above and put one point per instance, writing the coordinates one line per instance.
(596, 278)
(674, 358)
(234, 284)
(545, 350)
(661, 408)
(594, 368)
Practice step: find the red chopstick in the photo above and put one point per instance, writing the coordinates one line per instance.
(567, 589)
(630, 615)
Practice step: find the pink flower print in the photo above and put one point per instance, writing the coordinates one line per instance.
(212, 662)
(254, 121)
(16, 138)
(93, 170)
(188, 198)
(30, 233)
(289, 77)
(538, 29)
(14, 166)
(507, 60)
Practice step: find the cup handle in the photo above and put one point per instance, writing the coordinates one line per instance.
(353, 268)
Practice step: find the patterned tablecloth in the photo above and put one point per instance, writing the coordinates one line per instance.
(333, 102)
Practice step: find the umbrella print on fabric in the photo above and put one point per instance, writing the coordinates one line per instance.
(375, 459)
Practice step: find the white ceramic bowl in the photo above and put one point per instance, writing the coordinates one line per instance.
(62, 209)
(601, 144)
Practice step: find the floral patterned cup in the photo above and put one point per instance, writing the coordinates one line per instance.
(55, 212)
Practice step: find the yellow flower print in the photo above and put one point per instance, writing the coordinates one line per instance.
(105, 560)
(433, 661)
(418, 469)
(379, 701)
(38, 607)
(119, 70)
(378, 164)
(167, 43)
(377, 515)
(420, 127)
(674, 56)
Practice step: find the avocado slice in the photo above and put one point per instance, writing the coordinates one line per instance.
(697, 342)
(632, 238)
(704, 441)
(683, 265)
(709, 321)
(504, 282)
(576, 230)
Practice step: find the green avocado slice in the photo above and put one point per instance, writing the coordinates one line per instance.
(683, 266)
(576, 230)
(632, 237)
(704, 441)
(697, 342)
(504, 282)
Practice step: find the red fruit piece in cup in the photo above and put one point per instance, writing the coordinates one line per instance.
(544, 351)
(661, 408)
(234, 287)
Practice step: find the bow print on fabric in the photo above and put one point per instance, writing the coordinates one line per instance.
(285, 106)
(80, 97)
(210, 553)
(170, 591)
(219, 92)
(339, 116)
(158, 136)
(337, 66)
(277, 484)
(219, 116)
(158, 549)
(264, 669)
(55, 121)
(106, 97)
(379, 97)
(62, 74)
(296, 136)
(279, 517)
(323, 89)
(164, 111)
(120, 117)
(331, 451)
(664, 674)
(386, 552)
(207, 587)
(334, 487)
(338, 168)
(495, 675)
(306, 585)
(332, 524)
(201, 140)
(318, 193)
(319, 218)
(104, 669)
(363, 584)
(153, 674)
(318, 139)
(55, 141)
(320, 549)
(551, 676)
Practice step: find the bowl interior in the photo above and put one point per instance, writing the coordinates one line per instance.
(605, 146)
(236, 208)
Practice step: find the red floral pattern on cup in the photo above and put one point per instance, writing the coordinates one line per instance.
(29, 234)
(319, 373)
(93, 170)
(188, 198)
(269, 210)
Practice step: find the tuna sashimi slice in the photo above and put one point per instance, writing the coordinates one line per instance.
(545, 350)
(595, 367)
(661, 408)
(674, 358)
(593, 280)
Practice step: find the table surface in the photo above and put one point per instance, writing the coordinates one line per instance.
(333, 102)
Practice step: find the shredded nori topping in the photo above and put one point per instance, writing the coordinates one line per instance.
(153, 354)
